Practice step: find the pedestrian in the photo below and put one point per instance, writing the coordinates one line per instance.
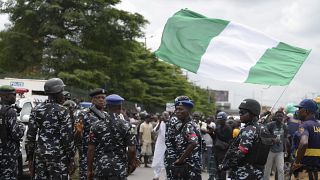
(87, 118)
(111, 151)
(223, 137)
(183, 141)
(160, 148)
(308, 152)
(207, 129)
(145, 131)
(11, 133)
(247, 154)
(276, 154)
(50, 142)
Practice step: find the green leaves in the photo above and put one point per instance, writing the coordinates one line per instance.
(90, 44)
(84, 79)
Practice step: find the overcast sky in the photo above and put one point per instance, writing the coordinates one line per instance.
(294, 22)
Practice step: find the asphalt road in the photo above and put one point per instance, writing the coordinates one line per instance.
(147, 174)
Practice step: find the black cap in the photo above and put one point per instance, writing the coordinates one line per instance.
(97, 91)
(6, 89)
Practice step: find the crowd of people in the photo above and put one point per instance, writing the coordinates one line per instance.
(111, 143)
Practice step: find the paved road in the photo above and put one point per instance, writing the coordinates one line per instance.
(147, 174)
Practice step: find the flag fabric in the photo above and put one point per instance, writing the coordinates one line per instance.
(227, 51)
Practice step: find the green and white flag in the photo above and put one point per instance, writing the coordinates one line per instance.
(228, 51)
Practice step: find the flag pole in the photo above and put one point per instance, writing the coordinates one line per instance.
(284, 90)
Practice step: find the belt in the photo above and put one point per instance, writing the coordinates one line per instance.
(311, 152)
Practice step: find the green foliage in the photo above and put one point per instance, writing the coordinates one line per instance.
(89, 44)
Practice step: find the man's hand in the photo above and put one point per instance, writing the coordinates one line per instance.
(179, 162)
(133, 164)
(79, 128)
(31, 168)
(90, 175)
(222, 167)
(71, 168)
(296, 166)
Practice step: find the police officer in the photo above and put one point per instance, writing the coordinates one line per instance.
(49, 143)
(108, 157)
(308, 152)
(86, 118)
(11, 133)
(114, 106)
(182, 159)
(66, 95)
(244, 148)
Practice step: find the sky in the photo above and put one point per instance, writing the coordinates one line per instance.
(294, 22)
(291, 21)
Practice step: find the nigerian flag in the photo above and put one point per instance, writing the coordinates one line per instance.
(228, 51)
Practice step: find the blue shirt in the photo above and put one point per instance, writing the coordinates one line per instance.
(293, 126)
(311, 128)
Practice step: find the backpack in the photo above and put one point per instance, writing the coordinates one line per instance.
(259, 151)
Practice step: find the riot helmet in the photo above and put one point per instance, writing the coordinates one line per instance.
(53, 86)
(251, 105)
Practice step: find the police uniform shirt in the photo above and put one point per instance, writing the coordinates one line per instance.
(110, 146)
(248, 136)
(189, 134)
(311, 128)
(52, 124)
(170, 155)
(15, 130)
(178, 141)
(88, 118)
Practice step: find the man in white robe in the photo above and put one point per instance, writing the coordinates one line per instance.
(160, 148)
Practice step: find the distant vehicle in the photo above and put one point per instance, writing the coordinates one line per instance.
(84, 105)
(33, 86)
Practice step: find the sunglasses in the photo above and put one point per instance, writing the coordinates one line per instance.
(242, 112)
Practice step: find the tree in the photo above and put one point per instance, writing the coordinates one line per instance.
(89, 44)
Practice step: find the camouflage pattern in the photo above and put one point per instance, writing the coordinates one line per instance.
(177, 142)
(10, 151)
(236, 156)
(53, 152)
(111, 138)
(170, 155)
(88, 118)
(248, 172)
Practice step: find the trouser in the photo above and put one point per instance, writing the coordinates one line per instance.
(49, 170)
(206, 157)
(191, 174)
(313, 175)
(212, 167)
(276, 159)
(247, 172)
(8, 168)
(219, 154)
(312, 171)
